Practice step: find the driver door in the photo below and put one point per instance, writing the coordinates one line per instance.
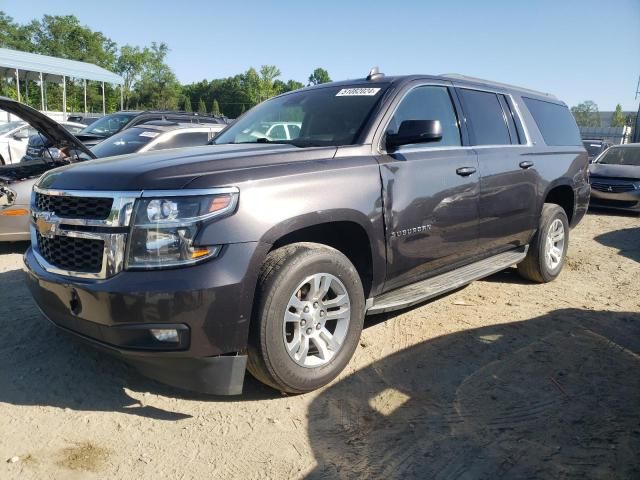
(430, 190)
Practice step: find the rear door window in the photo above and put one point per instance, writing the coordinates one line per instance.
(555, 122)
(486, 117)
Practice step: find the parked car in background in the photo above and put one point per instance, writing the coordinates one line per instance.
(115, 122)
(60, 148)
(14, 138)
(156, 135)
(153, 135)
(615, 178)
(272, 131)
(595, 147)
(84, 119)
(266, 254)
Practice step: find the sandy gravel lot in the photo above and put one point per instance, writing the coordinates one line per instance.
(501, 379)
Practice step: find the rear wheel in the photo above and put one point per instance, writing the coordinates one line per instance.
(548, 249)
(308, 317)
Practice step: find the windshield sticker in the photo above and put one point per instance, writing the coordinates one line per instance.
(149, 134)
(357, 92)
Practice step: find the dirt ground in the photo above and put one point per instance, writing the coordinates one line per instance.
(501, 379)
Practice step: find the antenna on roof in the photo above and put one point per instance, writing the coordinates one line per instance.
(374, 74)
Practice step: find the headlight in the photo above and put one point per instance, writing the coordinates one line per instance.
(164, 229)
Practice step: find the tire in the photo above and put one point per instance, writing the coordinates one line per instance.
(273, 356)
(537, 266)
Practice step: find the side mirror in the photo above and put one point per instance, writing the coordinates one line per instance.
(415, 131)
(21, 134)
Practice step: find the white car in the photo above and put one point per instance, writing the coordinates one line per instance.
(14, 137)
(275, 130)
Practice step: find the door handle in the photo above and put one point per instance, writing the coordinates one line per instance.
(465, 171)
(526, 164)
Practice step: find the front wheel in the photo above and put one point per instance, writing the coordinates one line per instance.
(548, 249)
(308, 317)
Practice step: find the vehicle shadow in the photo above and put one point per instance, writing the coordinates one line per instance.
(553, 397)
(627, 242)
(41, 365)
(13, 247)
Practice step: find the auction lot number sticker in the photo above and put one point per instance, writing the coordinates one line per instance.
(357, 92)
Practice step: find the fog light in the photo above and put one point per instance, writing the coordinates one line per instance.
(165, 334)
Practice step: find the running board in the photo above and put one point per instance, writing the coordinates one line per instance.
(432, 287)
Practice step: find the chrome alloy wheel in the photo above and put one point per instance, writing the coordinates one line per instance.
(554, 245)
(316, 320)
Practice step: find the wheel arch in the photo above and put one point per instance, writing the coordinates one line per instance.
(562, 193)
(348, 231)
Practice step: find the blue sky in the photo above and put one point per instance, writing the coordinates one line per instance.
(577, 50)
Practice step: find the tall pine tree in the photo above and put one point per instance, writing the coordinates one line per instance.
(202, 108)
(215, 108)
(186, 104)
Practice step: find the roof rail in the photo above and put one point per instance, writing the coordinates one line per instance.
(457, 76)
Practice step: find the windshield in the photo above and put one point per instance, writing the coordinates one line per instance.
(128, 141)
(7, 127)
(107, 126)
(324, 116)
(621, 156)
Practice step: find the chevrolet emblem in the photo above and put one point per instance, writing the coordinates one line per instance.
(45, 228)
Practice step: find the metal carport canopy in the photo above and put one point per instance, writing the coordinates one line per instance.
(33, 62)
(33, 66)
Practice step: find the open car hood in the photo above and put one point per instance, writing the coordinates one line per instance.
(45, 125)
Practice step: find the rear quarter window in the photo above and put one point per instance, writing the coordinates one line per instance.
(555, 122)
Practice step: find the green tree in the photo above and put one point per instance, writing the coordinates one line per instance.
(618, 119)
(215, 108)
(586, 114)
(268, 74)
(130, 64)
(158, 86)
(202, 107)
(186, 104)
(14, 35)
(63, 36)
(319, 75)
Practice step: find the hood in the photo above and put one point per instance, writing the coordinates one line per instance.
(52, 129)
(177, 168)
(614, 171)
(22, 171)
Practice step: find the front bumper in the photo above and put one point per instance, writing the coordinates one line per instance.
(210, 303)
(627, 201)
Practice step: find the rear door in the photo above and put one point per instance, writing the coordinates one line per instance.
(508, 177)
(430, 190)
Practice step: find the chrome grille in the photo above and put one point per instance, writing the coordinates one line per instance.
(80, 233)
(92, 208)
(612, 187)
(73, 254)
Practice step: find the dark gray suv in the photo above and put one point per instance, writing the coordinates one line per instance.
(267, 253)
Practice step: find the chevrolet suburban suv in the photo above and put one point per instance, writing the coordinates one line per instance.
(267, 253)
